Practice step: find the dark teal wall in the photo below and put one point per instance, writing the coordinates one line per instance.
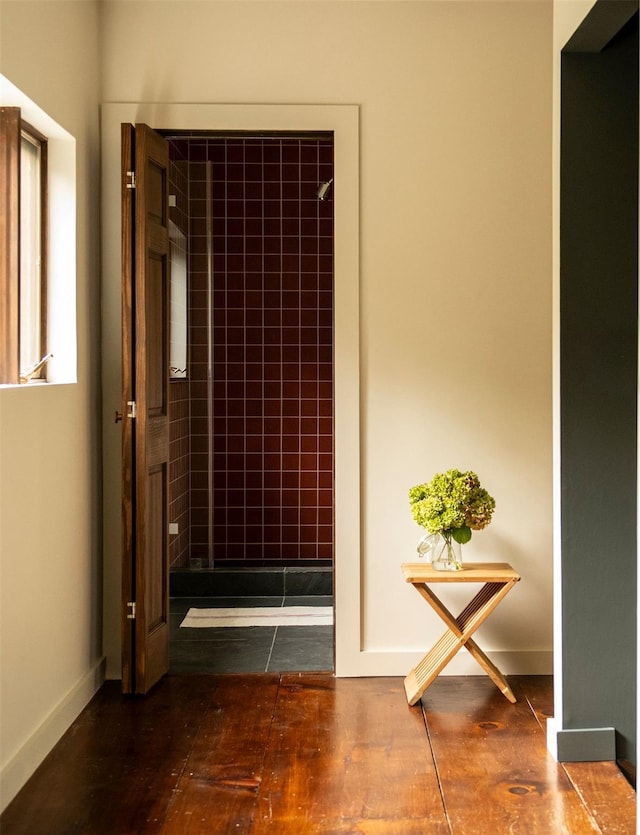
(598, 360)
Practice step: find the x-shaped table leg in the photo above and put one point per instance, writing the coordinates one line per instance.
(458, 634)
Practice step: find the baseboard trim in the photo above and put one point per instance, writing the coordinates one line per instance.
(579, 745)
(23, 764)
(353, 662)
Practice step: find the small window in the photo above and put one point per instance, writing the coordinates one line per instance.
(23, 236)
(38, 311)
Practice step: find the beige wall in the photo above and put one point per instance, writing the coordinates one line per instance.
(50, 449)
(455, 279)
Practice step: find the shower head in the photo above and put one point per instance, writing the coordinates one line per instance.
(323, 189)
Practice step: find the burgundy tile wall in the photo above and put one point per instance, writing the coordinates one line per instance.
(272, 331)
(179, 423)
(179, 443)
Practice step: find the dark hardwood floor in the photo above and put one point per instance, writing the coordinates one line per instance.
(309, 753)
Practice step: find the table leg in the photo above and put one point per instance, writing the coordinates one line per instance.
(491, 670)
(431, 666)
(458, 634)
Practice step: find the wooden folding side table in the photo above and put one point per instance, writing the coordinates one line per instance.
(498, 578)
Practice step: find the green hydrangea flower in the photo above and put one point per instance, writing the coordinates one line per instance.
(452, 504)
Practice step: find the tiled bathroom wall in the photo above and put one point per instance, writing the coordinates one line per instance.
(261, 310)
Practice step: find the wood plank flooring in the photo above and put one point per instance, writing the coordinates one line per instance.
(308, 753)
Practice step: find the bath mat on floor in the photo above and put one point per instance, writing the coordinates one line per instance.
(263, 616)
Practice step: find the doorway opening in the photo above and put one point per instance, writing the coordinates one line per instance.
(251, 398)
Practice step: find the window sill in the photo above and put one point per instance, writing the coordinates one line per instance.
(35, 384)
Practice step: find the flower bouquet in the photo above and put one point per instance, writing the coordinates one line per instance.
(450, 507)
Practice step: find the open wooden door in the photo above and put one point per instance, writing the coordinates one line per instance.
(145, 340)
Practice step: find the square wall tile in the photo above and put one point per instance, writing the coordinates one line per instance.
(270, 402)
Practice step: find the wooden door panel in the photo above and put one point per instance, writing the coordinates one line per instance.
(157, 337)
(146, 347)
(156, 441)
(156, 187)
(127, 631)
(152, 430)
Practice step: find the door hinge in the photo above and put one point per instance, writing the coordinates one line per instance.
(132, 613)
(132, 408)
(132, 179)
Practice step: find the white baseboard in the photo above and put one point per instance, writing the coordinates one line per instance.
(23, 764)
(351, 663)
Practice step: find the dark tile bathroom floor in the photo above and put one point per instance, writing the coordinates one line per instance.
(252, 649)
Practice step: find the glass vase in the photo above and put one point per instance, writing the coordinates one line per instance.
(447, 555)
(444, 553)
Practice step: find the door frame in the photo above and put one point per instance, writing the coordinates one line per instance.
(582, 726)
(343, 121)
